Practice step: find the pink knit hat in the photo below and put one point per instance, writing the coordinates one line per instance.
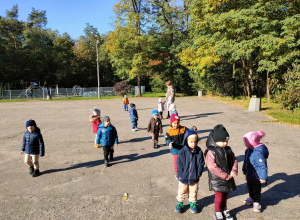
(252, 139)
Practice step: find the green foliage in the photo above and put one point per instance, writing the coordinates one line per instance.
(157, 84)
(290, 96)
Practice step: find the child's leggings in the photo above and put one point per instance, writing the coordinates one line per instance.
(108, 150)
(254, 189)
(220, 201)
(175, 162)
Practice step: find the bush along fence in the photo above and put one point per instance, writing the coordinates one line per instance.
(76, 91)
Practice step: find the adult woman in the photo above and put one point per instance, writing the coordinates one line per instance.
(170, 96)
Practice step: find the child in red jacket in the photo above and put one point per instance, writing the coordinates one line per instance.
(95, 120)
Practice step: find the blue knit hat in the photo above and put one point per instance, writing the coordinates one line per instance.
(30, 123)
(132, 105)
(154, 112)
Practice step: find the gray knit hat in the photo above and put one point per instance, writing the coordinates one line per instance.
(104, 119)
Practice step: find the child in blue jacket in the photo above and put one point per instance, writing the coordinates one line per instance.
(255, 167)
(33, 147)
(107, 136)
(190, 162)
(133, 117)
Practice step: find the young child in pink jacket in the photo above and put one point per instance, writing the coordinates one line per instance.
(95, 120)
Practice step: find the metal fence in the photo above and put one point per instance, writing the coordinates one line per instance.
(41, 93)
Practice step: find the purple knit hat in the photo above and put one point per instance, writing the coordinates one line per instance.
(252, 139)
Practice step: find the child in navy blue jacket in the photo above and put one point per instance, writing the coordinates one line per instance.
(133, 117)
(190, 162)
(107, 136)
(255, 167)
(33, 146)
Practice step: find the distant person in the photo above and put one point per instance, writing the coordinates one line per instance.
(95, 120)
(170, 96)
(160, 109)
(125, 102)
(190, 162)
(255, 167)
(222, 168)
(133, 117)
(173, 109)
(175, 138)
(33, 147)
(155, 127)
(107, 137)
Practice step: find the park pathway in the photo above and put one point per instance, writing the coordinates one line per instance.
(75, 185)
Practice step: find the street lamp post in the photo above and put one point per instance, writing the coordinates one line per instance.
(98, 77)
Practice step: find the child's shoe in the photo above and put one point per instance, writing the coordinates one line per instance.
(134, 129)
(227, 215)
(137, 128)
(179, 207)
(31, 169)
(106, 164)
(219, 216)
(248, 201)
(193, 207)
(256, 207)
(36, 173)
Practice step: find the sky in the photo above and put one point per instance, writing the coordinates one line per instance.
(68, 16)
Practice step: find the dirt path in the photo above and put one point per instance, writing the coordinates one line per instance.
(75, 185)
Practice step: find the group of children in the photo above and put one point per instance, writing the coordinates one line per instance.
(188, 157)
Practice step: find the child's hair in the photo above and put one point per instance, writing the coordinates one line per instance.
(96, 111)
(172, 107)
(193, 135)
(252, 139)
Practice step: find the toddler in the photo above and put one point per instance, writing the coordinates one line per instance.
(173, 109)
(155, 127)
(33, 147)
(125, 102)
(160, 108)
(255, 167)
(133, 117)
(95, 120)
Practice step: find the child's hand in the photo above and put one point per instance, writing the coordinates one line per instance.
(194, 128)
(262, 181)
(171, 144)
(21, 152)
(229, 177)
(99, 145)
(232, 174)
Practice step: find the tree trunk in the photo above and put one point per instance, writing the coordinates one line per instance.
(268, 86)
(139, 85)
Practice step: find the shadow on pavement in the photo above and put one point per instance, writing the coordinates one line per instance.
(190, 117)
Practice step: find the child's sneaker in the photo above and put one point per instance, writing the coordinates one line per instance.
(193, 207)
(31, 169)
(179, 207)
(248, 201)
(227, 215)
(134, 129)
(106, 164)
(219, 216)
(137, 128)
(256, 207)
(36, 173)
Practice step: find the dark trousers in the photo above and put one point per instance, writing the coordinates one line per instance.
(108, 150)
(160, 114)
(254, 189)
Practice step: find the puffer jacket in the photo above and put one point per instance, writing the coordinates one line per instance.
(133, 115)
(177, 137)
(189, 164)
(95, 120)
(107, 136)
(220, 162)
(255, 163)
(155, 126)
(33, 143)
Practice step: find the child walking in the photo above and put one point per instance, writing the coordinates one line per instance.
(133, 117)
(95, 120)
(107, 136)
(33, 147)
(222, 168)
(190, 164)
(255, 167)
(125, 102)
(155, 126)
(160, 108)
(175, 138)
(173, 109)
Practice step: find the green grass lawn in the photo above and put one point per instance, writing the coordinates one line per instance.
(273, 110)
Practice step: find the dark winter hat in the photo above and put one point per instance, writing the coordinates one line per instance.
(154, 112)
(104, 119)
(30, 123)
(173, 118)
(220, 133)
(132, 105)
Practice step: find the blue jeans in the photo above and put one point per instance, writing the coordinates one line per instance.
(134, 124)
(126, 107)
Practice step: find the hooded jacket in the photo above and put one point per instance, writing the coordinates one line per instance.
(133, 115)
(220, 162)
(177, 137)
(33, 143)
(107, 136)
(255, 163)
(189, 164)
